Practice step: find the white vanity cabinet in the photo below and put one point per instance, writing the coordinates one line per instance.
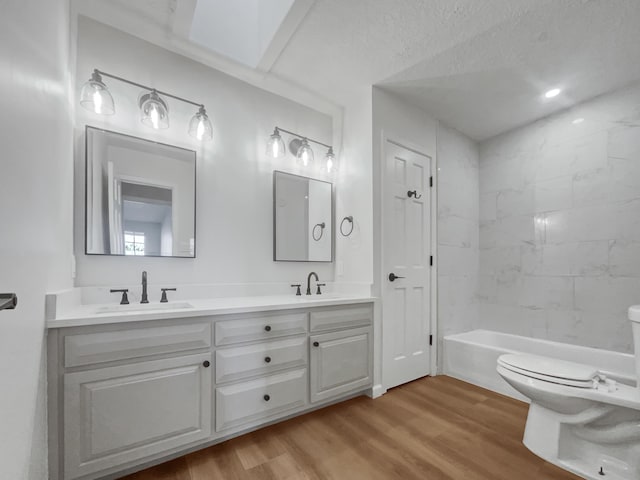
(119, 414)
(130, 394)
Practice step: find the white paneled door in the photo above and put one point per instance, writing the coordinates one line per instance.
(406, 251)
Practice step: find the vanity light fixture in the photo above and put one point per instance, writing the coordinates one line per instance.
(330, 162)
(275, 145)
(200, 126)
(305, 154)
(154, 110)
(95, 96)
(299, 146)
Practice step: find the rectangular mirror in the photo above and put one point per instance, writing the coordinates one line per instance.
(140, 197)
(303, 219)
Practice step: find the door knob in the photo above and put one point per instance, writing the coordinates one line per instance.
(393, 276)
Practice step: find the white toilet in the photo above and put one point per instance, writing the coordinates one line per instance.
(579, 419)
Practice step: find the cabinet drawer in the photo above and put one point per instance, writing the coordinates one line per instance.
(124, 414)
(240, 362)
(360, 316)
(261, 327)
(259, 399)
(90, 348)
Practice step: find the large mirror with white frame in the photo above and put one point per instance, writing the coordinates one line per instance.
(303, 219)
(140, 197)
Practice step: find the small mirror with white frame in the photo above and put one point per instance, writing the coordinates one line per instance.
(303, 219)
(140, 196)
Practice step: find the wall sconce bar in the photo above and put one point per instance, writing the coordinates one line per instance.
(146, 87)
(95, 97)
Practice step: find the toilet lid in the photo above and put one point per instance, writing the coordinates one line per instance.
(551, 370)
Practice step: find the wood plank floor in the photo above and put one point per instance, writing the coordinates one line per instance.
(433, 428)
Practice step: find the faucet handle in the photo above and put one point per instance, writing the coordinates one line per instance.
(125, 299)
(297, 285)
(164, 298)
(319, 292)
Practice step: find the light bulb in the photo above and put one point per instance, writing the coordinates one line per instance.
(155, 117)
(200, 126)
(305, 154)
(275, 145)
(330, 163)
(97, 102)
(154, 111)
(95, 96)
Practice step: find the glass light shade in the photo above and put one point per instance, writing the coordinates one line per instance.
(305, 154)
(330, 162)
(275, 145)
(200, 126)
(95, 96)
(154, 111)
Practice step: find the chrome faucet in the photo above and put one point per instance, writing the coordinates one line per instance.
(309, 281)
(145, 298)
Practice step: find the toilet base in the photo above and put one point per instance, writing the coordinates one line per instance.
(559, 441)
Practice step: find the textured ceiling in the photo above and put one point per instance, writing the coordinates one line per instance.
(478, 65)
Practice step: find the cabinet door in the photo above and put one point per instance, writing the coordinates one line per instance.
(122, 414)
(340, 363)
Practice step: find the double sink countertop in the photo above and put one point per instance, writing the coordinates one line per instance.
(99, 314)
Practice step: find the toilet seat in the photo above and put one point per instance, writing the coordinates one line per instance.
(552, 370)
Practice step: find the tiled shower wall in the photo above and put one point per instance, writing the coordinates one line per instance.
(560, 225)
(458, 216)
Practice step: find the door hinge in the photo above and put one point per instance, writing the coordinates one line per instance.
(430, 339)
(431, 181)
(431, 261)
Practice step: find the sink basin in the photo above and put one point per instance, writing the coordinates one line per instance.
(634, 313)
(143, 307)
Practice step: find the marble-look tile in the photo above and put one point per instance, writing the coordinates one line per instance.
(618, 181)
(571, 259)
(458, 232)
(553, 194)
(508, 232)
(487, 289)
(500, 260)
(624, 259)
(457, 261)
(606, 295)
(541, 293)
(501, 175)
(488, 206)
(624, 142)
(515, 202)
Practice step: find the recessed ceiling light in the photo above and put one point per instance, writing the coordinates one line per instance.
(554, 92)
(578, 120)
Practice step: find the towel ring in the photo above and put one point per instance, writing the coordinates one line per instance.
(346, 219)
(313, 232)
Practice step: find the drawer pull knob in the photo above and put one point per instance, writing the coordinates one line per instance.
(206, 364)
(267, 359)
(268, 328)
(316, 344)
(266, 398)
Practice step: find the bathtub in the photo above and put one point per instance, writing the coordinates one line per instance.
(472, 357)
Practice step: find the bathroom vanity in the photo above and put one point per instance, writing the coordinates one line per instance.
(129, 389)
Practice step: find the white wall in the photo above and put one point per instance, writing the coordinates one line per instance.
(458, 231)
(560, 225)
(234, 177)
(36, 168)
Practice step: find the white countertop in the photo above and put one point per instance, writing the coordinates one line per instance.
(88, 314)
